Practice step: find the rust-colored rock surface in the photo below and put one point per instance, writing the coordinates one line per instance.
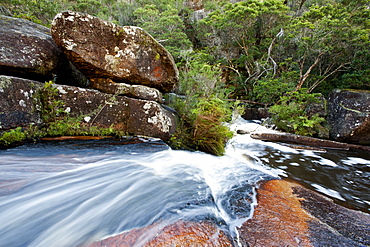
(100, 49)
(349, 116)
(288, 214)
(181, 233)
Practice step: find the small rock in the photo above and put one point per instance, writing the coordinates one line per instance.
(243, 132)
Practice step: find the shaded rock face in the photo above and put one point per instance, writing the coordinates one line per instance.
(17, 102)
(27, 50)
(101, 49)
(256, 113)
(349, 116)
(291, 215)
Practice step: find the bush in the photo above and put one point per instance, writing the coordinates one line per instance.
(290, 114)
(202, 128)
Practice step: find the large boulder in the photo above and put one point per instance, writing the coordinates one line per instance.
(101, 49)
(27, 50)
(21, 105)
(349, 116)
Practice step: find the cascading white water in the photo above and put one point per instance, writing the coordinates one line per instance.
(73, 193)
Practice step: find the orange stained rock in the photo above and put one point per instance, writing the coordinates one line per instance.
(279, 219)
(181, 233)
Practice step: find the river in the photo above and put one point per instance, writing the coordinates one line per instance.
(71, 193)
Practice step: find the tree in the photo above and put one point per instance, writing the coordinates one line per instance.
(325, 42)
(164, 24)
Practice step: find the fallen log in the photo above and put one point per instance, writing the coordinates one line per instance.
(307, 141)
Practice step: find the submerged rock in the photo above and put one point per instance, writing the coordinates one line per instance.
(291, 215)
(349, 116)
(101, 49)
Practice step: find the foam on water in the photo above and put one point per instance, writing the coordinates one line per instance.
(71, 193)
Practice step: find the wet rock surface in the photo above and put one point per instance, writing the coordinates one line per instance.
(288, 214)
(181, 233)
(100, 49)
(349, 116)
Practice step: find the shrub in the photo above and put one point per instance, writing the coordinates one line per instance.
(290, 114)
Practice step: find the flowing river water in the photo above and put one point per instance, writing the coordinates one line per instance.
(72, 193)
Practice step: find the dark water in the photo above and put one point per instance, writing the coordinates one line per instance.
(74, 193)
(342, 175)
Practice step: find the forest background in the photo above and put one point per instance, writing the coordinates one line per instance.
(284, 55)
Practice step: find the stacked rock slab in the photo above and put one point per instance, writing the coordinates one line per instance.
(20, 106)
(101, 49)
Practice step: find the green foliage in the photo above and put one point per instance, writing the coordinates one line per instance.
(38, 11)
(202, 110)
(202, 127)
(163, 22)
(51, 108)
(290, 114)
(198, 77)
(9, 137)
(326, 41)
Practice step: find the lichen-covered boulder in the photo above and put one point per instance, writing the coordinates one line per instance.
(133, 116)
(349, 116)
(106, 85)
(17, 102)
(28, 51)
(101, 49)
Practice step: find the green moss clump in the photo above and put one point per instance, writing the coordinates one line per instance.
(7, 138)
